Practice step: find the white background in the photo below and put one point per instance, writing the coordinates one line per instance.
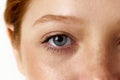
(8, 66)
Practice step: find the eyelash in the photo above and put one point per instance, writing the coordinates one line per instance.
(67, 49)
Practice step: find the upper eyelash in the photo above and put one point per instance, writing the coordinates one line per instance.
(49, 37)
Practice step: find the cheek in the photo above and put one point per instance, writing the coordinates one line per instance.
(37, 70)
(37, 66)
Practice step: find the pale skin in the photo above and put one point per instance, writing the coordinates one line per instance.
(92, 50)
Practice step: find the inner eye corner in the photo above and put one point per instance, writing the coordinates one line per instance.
(118, 42)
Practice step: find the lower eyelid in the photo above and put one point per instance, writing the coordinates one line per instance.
(67, 49)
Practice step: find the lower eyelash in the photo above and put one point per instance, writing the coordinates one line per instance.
(58, 50)
(69, 49)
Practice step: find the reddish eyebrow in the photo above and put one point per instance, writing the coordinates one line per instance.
(59, 18)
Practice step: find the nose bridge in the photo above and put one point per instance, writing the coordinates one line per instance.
(99, 62)
(99, 51)
(96, 54)
(98, 48)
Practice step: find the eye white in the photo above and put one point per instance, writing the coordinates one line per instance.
(67, 40)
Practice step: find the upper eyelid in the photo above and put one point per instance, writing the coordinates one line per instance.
(48, 35)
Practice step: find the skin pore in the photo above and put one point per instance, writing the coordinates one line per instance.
(92, 31)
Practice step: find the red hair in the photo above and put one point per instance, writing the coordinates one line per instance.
(15, 10)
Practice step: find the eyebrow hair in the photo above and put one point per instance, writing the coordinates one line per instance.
(59, 18)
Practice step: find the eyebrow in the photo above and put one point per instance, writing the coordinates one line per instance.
(58, 18)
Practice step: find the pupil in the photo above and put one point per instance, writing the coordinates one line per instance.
(60, 40)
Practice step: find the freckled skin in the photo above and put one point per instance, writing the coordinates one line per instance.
(97, 54)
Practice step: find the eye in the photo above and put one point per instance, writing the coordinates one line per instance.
(59, 40)
(60, 43)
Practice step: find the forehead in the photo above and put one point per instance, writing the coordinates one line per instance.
(91, 10)
(93, 6)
